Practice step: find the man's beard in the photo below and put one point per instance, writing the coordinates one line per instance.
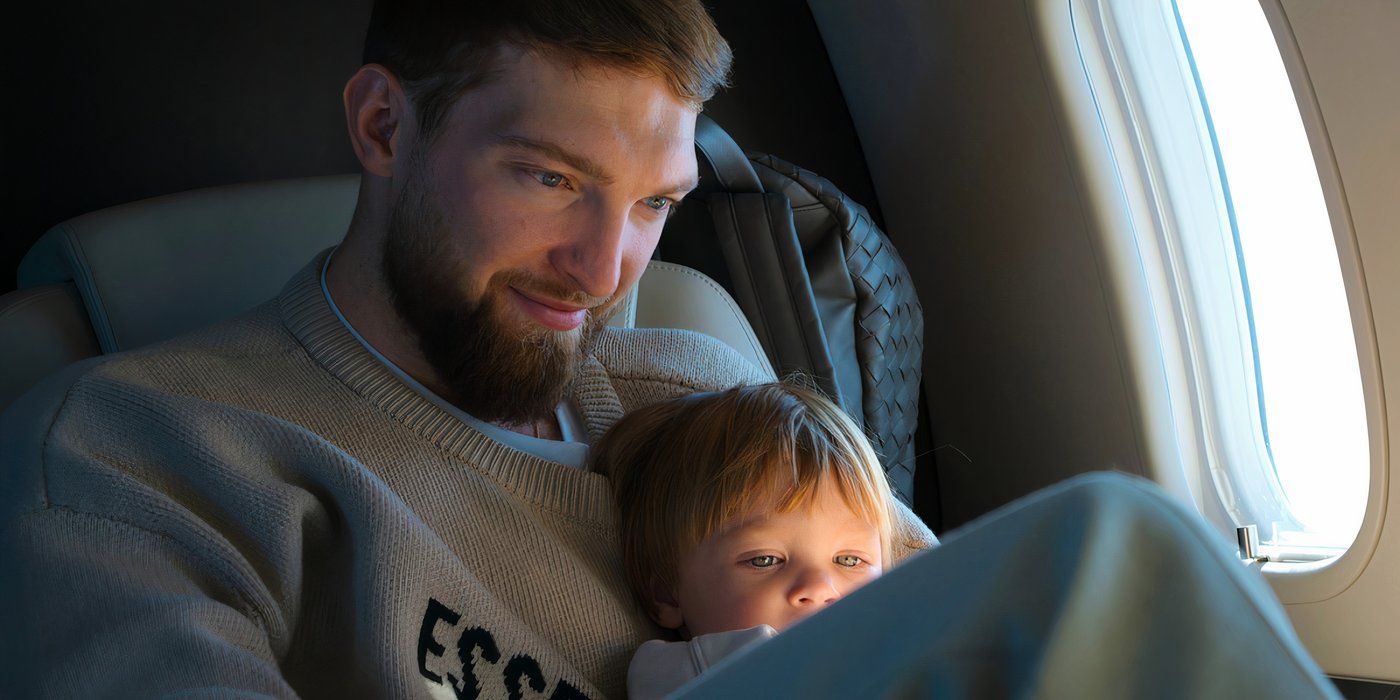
(494, 365)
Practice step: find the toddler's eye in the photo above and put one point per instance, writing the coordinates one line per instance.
(847, 560)
(763, 561)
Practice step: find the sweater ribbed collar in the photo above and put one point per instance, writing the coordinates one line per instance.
(310, 319)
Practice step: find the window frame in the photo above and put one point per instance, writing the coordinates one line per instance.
(1123, 188)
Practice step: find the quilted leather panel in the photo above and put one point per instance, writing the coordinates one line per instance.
(886, 323)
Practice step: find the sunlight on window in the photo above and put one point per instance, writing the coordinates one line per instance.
(1312, 407)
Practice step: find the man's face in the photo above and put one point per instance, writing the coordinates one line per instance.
(770, 568)
(525, 221)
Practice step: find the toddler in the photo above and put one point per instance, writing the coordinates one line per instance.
(741, 512)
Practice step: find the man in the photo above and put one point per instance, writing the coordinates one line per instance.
(376, 483)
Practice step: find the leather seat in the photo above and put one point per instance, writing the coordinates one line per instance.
(138, 273)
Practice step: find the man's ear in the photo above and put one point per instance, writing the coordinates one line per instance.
(664, 608)
(376, 110)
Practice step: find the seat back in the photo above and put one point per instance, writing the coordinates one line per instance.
(139, 273)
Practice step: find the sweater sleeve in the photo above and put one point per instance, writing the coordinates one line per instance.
(111, 587)
(647, 365)
(100, 608)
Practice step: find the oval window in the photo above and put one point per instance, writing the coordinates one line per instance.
(1308, 410)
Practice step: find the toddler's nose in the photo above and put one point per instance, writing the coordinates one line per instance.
(814, 590)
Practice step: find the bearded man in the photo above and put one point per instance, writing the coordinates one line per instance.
(375, 484)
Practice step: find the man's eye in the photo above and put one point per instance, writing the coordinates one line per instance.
(549, 179)
(763, 561)
(847, 560)
(659, 203)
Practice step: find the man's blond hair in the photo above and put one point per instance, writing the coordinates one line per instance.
(682, 469)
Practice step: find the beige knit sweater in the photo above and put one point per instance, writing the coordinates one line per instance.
(263, 508)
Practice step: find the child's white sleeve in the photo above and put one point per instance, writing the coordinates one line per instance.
(660, 667)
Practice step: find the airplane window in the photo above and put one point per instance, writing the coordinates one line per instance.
(1213, 207)
(1310, 413)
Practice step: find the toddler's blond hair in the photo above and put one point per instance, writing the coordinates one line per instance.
(683, 468)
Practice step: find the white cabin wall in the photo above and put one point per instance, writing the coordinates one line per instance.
(959, 131)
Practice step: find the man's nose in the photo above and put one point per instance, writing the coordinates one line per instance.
(592, 254)
(813, 588)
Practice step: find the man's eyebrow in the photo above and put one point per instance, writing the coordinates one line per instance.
(683, 188)
(563, 155)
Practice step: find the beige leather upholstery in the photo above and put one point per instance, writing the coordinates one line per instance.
(153, 269)
(42, 329)
(139, 273)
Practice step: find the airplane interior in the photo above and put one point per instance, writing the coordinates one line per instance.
(1148, 236)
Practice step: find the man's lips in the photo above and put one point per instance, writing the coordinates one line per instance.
(549, 312)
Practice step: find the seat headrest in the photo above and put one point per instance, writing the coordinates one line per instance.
(153, 269)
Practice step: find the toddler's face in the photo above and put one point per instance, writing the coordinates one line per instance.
(774, 568)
